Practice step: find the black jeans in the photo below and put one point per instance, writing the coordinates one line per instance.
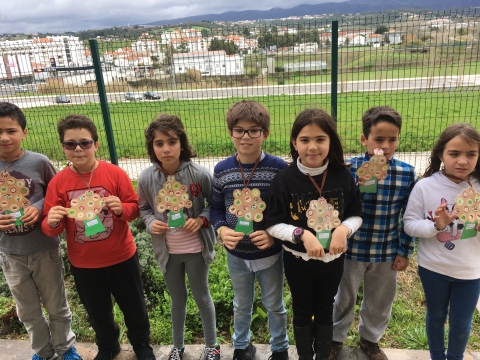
(313, 285)
(96, 287)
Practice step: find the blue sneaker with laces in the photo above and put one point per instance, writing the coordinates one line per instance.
(72, 354)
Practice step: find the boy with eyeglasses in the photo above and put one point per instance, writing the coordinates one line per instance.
(253, 254)
(31, 261)
(93, 201)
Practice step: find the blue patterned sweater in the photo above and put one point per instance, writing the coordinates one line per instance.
(226, 178)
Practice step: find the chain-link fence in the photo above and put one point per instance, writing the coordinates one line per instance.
(426, 66)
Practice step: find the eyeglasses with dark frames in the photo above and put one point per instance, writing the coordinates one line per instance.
(72, 145)
(252, 133)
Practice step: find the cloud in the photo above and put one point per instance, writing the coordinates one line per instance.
(30, 16)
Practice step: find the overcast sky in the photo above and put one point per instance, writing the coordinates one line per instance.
(30, 16)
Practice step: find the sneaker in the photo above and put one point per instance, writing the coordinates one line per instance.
(144, 352)
(212, 353)
(245, 354)
(279, 355)
(36, 357)
(108, 354)
(71, 354)
(372, 350)
(336, 347)
(176, 353)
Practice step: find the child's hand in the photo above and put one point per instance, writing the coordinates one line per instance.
(361, 180)
(114, 204)
(261, 239)
(442, 218)
(231, 238)
(30, 215)
(400, 263)
(313, 247)
(55, 215)
(6, 222)
(193, 225)
(338, 245)
(159, 227)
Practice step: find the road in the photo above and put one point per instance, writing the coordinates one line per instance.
(446, 83)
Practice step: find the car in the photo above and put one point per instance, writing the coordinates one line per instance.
(20, 89)
(151, 95)
(133, 96)
(62, 99)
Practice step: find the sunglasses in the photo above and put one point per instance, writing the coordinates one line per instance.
(72, 145)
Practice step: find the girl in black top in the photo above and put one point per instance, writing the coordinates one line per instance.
(313, 271)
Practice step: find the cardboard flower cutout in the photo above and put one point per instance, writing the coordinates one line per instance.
(322, 218)
(467, 209)
(86, 208)
(373, 171)
(13, 194)
(173, 197)
(247, 207)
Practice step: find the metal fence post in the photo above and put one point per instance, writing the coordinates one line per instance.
(334, 70)
(103, 101)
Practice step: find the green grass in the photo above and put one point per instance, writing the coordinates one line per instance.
(425, 115)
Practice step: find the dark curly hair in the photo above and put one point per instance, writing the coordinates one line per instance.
(77, 121)
(13, 112)
(166, 123)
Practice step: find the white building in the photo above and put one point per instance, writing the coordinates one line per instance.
(305, 48)
(192, 44)
(20, 58)
(209, 63)
(394, 37)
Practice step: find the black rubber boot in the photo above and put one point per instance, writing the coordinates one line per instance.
(323, 341)
(304, 341)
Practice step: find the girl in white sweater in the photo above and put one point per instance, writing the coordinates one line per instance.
(448, 263)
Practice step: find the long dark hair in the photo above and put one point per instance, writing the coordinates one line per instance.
(467, 132)
(320, 118)
(166, 123)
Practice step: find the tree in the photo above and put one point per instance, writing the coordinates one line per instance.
(382, 29)
(183, 47)
(228, 46)
(204, 33)
(246, 31)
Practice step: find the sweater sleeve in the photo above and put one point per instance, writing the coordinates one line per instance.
(406, 242)
(48, 174)
(206, 184)
(217, 205)
(127, 195)
(414, 219)
(52, 199)
(145, 202)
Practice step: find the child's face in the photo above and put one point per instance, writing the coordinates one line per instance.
(312, 144)
(248, 147)
(11, 137)
(459, 157)
(82, 159)
(167, 149)
(383, 136)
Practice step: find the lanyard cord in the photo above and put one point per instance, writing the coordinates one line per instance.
(319, 189)
(4, 171)
(245, 183)
(83, 179)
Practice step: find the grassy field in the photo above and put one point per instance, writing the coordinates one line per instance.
(425, 115)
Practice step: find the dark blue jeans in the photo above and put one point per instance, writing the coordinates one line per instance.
(456, 298)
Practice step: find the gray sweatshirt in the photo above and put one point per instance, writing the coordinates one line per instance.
(197, 179)
(37, 171)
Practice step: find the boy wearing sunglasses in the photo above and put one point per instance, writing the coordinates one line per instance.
(251, 254)
(31, 261)
(93, 201)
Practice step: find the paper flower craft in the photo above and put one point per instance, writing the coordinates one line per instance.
(86, 206)
(322, 216)
(13, 193)
(173, 196)
(248, 204)
(467, 205)
(376, 167)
